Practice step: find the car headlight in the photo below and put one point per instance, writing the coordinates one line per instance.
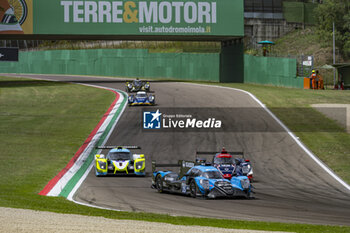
(245, 183)
(139, 165)
(204, 183)
(102, 165)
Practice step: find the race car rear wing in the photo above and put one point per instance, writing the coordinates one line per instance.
(118, 147)
(212, 153)
(215, 152)
(182, 164)
(239, 153)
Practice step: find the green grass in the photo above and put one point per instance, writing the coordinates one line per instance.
(323, 136)
(44, 123)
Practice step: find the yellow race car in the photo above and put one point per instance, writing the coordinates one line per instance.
(137, 85)
(120, 161)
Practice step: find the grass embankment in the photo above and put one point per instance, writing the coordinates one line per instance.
(323, 136)
(42, 126)
(307, 42)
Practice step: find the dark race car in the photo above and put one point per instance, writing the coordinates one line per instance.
(137, 85)
(231, 164)
(244, 167)
(199, 181)
(225, 163)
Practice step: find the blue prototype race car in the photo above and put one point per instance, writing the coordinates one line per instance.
(199, 181)
(141, 98)
(120, 161)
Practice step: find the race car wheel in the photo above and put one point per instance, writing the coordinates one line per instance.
(193, 189)
(96, 173)
(159, 184)
(250, 195)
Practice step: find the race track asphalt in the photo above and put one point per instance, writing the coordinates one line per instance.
(290, 186)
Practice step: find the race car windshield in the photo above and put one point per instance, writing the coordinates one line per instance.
(141, 95)
(218, 160)
(119, 155)
(212, 175)
(137, 83)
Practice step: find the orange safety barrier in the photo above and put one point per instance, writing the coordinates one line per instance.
(307, 83)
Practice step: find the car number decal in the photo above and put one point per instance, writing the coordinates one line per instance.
(183, 187)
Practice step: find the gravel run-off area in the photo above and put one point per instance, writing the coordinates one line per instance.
(21, 220)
